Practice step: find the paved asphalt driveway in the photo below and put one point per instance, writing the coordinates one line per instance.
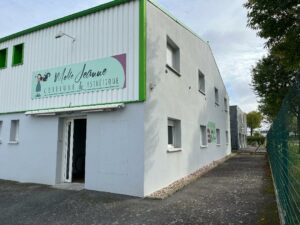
(237, 192)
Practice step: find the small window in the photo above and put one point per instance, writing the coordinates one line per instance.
(227, 137)
(216, 96)
(1, 124)
(201, 82)
(203, 136)
(225, 105)
(173, 55)
(218, 137)
(18, 53)
(174, 134)
(14, 131)
(3, 58)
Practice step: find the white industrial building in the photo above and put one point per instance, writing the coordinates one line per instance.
(121, 97)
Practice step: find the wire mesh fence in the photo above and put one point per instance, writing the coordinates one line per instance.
(283, 146)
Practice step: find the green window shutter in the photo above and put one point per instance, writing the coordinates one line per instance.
(3, 58)
(18, 53)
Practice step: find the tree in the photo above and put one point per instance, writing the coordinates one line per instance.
(253, 120)
(278, 22)
(271, 82)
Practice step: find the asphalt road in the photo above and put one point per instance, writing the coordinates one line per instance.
(239, 191)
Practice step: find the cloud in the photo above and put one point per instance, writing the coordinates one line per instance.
(17, 15)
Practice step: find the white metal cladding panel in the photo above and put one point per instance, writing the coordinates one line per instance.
(106, 33)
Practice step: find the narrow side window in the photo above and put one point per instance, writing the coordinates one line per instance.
(14, 131)
(18, 54)
(216, 96)
(218, 137)
(3, 58)
(174, 134)
(1, 125)
(203, 136)
(227, 137)
(201, 82)
(225, 105)
(173, 56)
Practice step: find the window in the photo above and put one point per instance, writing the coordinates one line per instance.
(227, 137)
(203, 136)
(3, 58)
(218, 137)
(14, 131)
(18, 54)
(201, 82)
(1, 124)
(225, 105)
(174, 134)
(216, 96)
(173, 56)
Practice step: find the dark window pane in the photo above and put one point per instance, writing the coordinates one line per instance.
(170, 135)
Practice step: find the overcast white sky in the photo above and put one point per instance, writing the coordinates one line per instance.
(221, 22)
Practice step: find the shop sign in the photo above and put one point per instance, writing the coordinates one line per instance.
(211, 132)
(96, 75)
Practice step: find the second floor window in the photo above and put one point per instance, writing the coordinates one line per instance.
(201, 82)
(173, 55)
(216, 96)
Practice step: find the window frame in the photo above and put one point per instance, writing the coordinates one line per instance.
(14, 55)
(203, 135)
(1, 128)
(217, 96)
(14, 137)
(176, 135)
(172, 47)
(173, 138)
(225, 104)
(200, 74)
(218, 136)
(227, 137)
(5, 58)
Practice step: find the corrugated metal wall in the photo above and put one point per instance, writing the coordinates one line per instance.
(106, 33)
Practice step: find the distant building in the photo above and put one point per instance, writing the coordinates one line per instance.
(238, 127)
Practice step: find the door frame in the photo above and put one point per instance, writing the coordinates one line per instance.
(68, 147)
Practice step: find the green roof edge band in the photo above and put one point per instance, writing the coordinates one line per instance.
(65, 19)
(142, 50)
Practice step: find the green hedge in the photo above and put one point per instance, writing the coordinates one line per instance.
(256, 140)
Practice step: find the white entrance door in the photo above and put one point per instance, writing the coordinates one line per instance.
(68, 151)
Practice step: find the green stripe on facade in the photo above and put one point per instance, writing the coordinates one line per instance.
(142, 51)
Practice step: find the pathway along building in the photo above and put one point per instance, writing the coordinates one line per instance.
(121, 97)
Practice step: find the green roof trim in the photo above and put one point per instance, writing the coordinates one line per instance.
(65, 19)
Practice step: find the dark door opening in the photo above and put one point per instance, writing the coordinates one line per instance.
(79, 150)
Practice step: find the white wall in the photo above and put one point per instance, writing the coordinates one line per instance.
(179, 98)
(103, 34)
(33, 159)
(114, 151)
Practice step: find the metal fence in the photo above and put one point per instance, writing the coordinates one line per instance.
(283, 146)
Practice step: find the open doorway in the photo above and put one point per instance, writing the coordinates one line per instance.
(74, 151)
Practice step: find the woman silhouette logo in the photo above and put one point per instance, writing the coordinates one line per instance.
(40, 79)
